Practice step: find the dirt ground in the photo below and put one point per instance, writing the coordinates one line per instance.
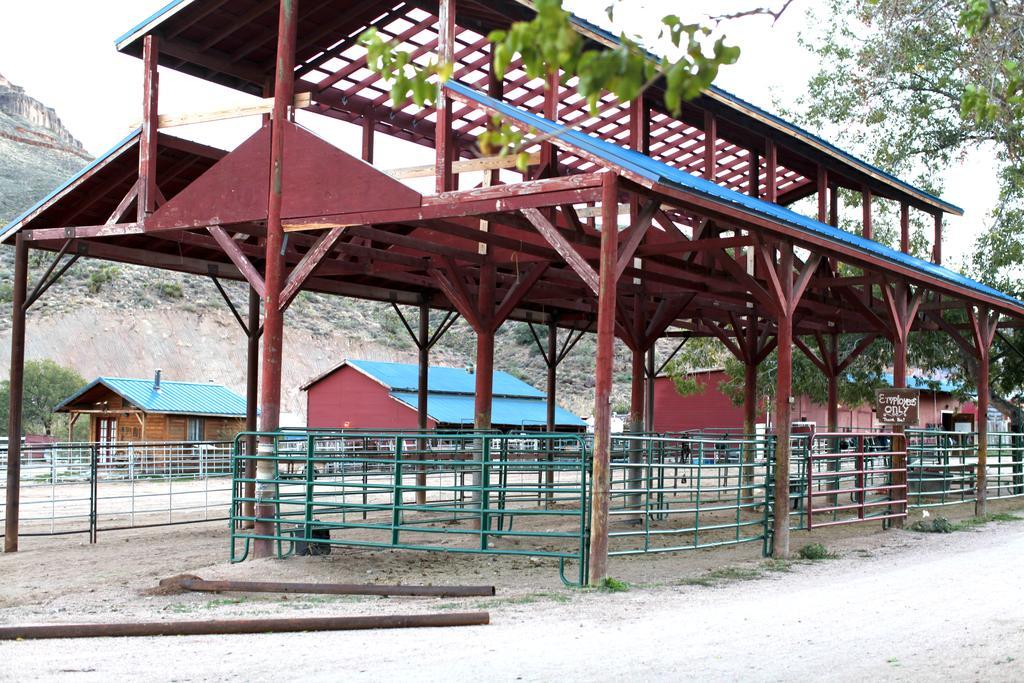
(897, 605)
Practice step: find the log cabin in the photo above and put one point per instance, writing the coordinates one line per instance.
(124, 410)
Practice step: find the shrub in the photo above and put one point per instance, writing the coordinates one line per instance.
(102, 276)
(938, 525)
(815, 551)
(169, 290)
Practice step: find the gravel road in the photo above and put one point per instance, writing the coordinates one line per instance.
(918, 607)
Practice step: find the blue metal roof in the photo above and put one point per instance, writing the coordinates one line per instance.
(159, 14)
(184, 398)
(109, 154)
(926, 383)
(458, 409)
(405, 377)
(661, 173)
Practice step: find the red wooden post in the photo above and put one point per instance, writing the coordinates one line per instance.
(443, 128)
(422, 394)
(984, 324)
(552, 377)
(899, 381)
(937, 244)
(16, 393)
(771, 164)
(603, 379)
(252, 368)
(146, 201)
(905, 227)
(833, 206)
(832, 363)
(822, 180)
(754, 180)
(981, 477)
(866, 227)
(369, 136)
(650, 373)
(548, 152)
(710, 142)
(270, 403)
(485, 351)
(783, 392)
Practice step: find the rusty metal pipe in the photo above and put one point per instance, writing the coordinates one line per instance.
(194, 583)
(238, 626)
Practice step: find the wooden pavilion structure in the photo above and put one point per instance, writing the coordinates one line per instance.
(704, 244)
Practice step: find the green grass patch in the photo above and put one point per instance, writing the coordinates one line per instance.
(941, 525)
(814, 552)
(715, 577)
(612, 585)
(532, 598)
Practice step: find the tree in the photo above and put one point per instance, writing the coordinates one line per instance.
(916, 85)
(46, 385)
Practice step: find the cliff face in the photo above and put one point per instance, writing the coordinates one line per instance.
(31, 121)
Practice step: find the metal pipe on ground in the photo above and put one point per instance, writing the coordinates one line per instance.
(240, 626)
(195, 583)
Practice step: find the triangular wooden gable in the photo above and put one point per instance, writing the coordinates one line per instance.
(319, 179)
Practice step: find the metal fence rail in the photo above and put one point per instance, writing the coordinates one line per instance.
(854, 477)
(1005, 470)
(673, 493)
(455, 492)
(85, 488)
(941, 467)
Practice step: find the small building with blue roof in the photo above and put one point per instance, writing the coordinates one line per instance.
(123, 410)
(361, 394)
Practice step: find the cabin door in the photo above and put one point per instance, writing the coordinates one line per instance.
(106, 437)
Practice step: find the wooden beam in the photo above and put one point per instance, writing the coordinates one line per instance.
(234, 252)
(564, 248)
(261, 107)
(307, 265)
(462, 166)
(636, 235)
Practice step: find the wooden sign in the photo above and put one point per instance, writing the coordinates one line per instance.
(897, 406)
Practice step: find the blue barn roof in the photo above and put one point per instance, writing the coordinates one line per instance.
(450, 397)
(182, 398)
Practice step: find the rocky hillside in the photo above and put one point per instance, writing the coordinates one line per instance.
(112, 319)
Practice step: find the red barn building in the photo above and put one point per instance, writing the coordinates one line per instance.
(359, 394)
(711, 408)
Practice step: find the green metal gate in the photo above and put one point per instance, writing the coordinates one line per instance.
(524, 494)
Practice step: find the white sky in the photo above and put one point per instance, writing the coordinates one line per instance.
(62, 52)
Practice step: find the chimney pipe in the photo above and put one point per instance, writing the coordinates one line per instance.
(156, 380)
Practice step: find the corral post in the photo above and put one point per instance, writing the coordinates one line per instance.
(783, 394)
(16, 391)
(422, 386)
(147, 187)
(552, 377)
(603, 379)
(252, 369)
(981, 478)
(270, 404)
(649, 373)
(899, 381)
(984, 324)
(484, 388)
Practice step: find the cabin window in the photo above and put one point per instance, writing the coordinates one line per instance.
(195, 429)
